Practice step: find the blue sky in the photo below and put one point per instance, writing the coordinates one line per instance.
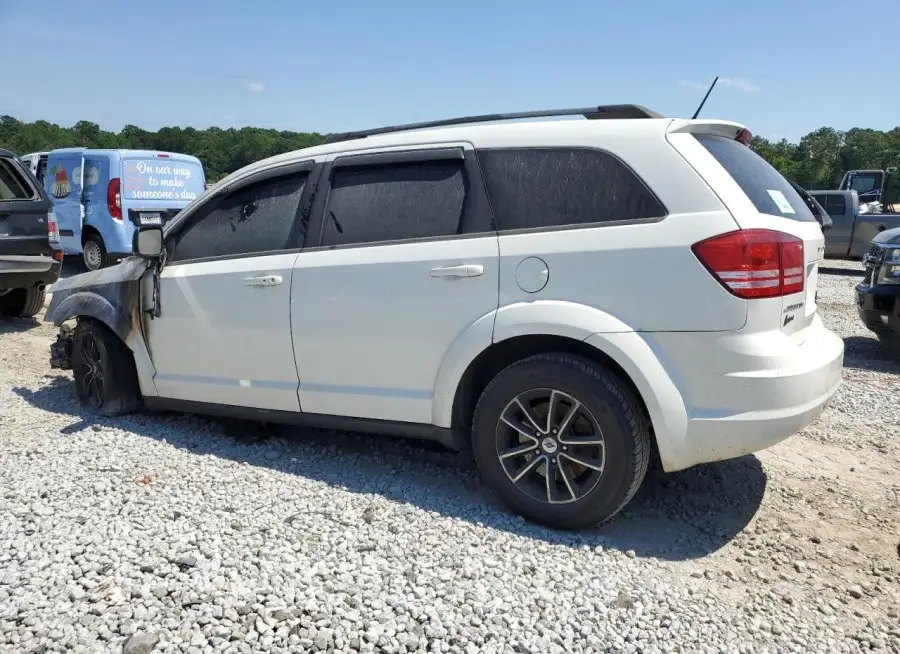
(316, 66)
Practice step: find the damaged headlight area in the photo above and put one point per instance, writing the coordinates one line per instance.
(889, 270)
(61, 350)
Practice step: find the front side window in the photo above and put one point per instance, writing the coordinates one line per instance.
(556, 187)
(254, 219)
(390, 202)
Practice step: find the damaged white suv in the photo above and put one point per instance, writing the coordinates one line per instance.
(562, 296)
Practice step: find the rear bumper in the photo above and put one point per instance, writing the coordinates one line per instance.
(879, 307)
(744, 393)
(24, 271)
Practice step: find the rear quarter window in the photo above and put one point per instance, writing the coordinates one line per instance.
(557, 187)
(13, 185)
(766, 188)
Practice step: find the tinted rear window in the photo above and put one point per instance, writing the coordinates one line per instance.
(13, 185)
(767, 189)
(550, 187)
(161, 179)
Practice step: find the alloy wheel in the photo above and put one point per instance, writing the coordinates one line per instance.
(550, 446)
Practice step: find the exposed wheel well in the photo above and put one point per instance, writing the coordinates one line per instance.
(500, 355)
(88, 230)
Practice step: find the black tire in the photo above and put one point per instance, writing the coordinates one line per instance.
(22, 302)
(890, 343)
(610, 406)
(93, 253)
(96, 349)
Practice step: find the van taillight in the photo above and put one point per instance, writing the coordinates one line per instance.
(744, 136)
(114, 198)
(754, 263)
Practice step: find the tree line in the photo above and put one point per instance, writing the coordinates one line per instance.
(817, 161)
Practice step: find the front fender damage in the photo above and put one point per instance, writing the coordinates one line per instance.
(111, 295)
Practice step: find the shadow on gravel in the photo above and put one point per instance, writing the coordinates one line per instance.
(866, 353)
(17, 325)
(680, 516)
(843, 272)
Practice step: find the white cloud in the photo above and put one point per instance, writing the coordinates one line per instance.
(256, 87)
(693, 85)
(738, 83)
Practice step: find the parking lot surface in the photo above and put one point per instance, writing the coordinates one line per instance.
(178, 534)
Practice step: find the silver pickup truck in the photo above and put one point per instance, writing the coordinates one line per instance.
(851, 232)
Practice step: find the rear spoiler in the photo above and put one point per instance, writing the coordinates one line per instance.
(725, 128)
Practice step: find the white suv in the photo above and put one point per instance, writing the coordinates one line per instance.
(564, 296)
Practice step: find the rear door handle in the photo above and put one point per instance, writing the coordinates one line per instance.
(265, 280)
(468, 270)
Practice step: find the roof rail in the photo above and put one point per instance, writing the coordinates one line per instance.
(610, 111)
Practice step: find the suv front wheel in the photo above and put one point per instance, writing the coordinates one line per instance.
(104, 371)
(561, 440)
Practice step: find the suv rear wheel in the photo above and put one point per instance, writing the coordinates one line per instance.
(22, 302)
(561, 440)
(103, 367)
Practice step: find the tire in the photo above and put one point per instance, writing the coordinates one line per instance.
(584, 496)
(93, 253)
(23, 302)
(95, 346)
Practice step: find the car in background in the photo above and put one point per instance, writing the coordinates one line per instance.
(100, 196)
(36, 163)
(27, 262)
(817, 210)
(878, 294)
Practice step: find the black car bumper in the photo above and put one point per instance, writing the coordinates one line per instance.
(878, 306)
(27, 271)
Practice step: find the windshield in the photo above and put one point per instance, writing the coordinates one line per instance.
(769, 192)
(161, 179)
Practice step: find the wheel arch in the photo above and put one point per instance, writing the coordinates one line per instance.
(506, 352)
(87, 305)
(89, 230)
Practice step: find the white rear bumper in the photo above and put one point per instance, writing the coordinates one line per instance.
(744, 393)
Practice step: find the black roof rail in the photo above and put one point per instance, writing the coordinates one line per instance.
(610, 111)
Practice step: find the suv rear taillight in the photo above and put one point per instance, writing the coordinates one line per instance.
(52, 228)
(754, 263)
(114, 198)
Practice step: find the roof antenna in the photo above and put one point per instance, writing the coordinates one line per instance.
(697, 113)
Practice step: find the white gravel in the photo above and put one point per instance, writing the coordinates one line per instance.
(179, 535)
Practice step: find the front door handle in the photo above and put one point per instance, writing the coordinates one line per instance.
(468, 270)
(264, 281)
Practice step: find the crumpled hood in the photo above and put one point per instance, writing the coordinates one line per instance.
(128, 270)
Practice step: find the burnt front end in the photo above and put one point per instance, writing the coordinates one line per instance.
(61, 350)
(878, 294)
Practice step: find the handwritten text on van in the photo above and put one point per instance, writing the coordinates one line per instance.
(165, 176)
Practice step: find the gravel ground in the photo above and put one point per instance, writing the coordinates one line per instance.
(177, 534)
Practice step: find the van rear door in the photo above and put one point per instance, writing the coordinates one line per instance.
(156, 186)
(759, 197)
(63, 183)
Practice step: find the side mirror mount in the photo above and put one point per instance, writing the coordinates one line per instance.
(147, 242)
